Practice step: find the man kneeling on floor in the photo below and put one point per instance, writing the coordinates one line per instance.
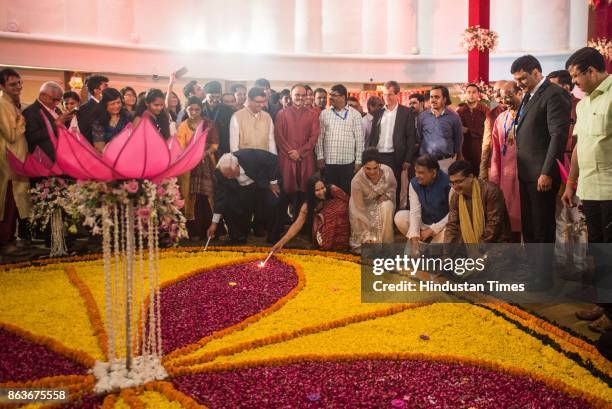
(247, 181)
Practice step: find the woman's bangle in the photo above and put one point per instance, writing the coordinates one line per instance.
(572, 184)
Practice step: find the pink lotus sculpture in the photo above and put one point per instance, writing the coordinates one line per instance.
(135, 153)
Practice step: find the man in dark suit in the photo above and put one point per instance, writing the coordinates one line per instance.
(541, 133)
(44, 110)
(37, 134)
(242, 179)
(394, 133)
(85, 115)
(219, 113)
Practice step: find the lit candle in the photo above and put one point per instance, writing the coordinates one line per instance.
(263, 264)
(207, 241)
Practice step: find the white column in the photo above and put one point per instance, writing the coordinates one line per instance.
(579, 22)
(545, 27)
(425, 27)
(402, 27)
(506, 21)
(448, 21)
(374, 21)
(271, 28)
(307, 22)
(115, 19)
(341, 28)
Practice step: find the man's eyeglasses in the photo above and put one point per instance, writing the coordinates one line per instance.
(14, 84)
(54, 99)
(333, 94)
(457, 181)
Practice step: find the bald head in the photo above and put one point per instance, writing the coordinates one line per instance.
(510, 95)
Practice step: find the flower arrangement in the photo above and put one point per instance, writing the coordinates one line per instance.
(50, 203)
(310, 343)
(595, 3)
(48, 196)
(476, 37)
(603, 45)
(161, 201)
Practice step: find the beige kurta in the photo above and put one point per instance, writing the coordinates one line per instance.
(12, 136)
(371, 218)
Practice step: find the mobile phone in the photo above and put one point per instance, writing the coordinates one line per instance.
(180, 72)
(75, 110)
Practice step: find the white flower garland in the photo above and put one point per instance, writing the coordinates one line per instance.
(476, 37)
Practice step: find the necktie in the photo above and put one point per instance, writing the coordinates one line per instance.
(524, 104)
(521, 111)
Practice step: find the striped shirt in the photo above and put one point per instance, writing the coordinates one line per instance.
(341, 136)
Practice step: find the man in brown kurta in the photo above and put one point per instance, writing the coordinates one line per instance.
(296, 133)
(473, 115)
(497, 223)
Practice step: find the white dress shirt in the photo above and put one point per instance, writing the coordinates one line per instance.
(387, 124)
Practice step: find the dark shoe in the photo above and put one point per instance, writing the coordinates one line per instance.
(272, 240)
(235, 242)
(601, 325)
(591, 314)
(259, 232)
(11, 250)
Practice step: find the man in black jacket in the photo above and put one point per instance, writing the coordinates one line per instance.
(242, 179)
(394, 133)
(220, 114)
(541, 132)
(541, 129)
(85, 115)
(45, 107)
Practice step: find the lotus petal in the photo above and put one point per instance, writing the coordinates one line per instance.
(140, 153)
(175, 148)
(36, 164)
(192, 155)
(79, 159)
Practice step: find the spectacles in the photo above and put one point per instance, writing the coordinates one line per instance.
(14, 84)
(333, 94)
(54, 99)
(457, 182)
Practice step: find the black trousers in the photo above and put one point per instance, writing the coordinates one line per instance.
(538, 213)
(203, 217)
(340, 175)
(598, 214)
(242, 208)
(388, 159)
(538, 225)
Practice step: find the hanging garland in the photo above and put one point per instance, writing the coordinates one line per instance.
(476, 37)
(603, 45)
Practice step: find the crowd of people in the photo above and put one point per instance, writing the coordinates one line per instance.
(314, 161)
